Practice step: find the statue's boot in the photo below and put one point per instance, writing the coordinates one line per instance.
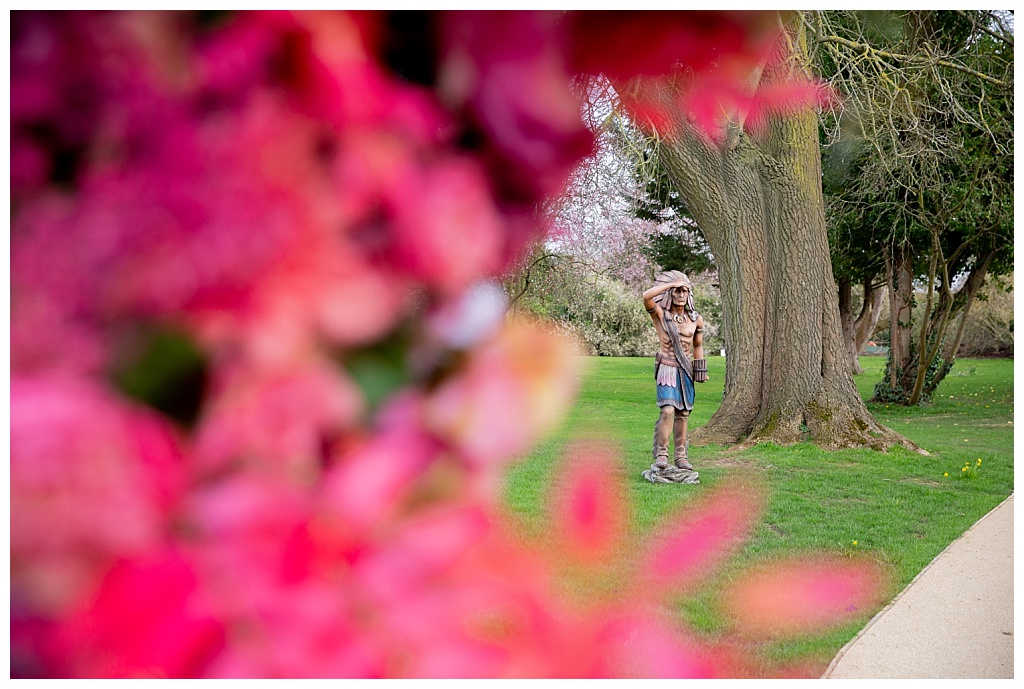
(662, 432)
(679, 431)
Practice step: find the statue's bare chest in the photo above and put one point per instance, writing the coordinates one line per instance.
(684, 326)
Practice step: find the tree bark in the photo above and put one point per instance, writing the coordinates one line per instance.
(758, 201)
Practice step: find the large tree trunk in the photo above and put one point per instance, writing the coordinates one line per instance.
(759, 204)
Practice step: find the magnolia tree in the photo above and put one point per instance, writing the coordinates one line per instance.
(592, 231)
(586, 275)
(261, 390)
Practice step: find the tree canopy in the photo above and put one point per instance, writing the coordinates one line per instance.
(919, 170)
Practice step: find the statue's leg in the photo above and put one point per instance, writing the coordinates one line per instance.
(662, 431)
(679, 431)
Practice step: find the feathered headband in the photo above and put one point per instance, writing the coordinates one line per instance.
(664, 300)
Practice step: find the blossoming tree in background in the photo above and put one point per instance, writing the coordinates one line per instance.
(261, 390)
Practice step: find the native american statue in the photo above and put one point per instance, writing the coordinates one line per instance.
(678, 365)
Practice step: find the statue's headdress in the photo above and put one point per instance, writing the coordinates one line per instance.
(664, 300)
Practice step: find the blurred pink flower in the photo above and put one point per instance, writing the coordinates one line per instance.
(242, 522)
(587, 510)
(148, 619)
(612, 616)
(275, 576)
(447, 232)
(798, 596)
(366, 486)
(723, 49)
(697, 539)
(625, 44)
(282, 419)
(511, 390)
(507, 73)
(302, 631)
(714, 98)
(586, 612)
(92, 479)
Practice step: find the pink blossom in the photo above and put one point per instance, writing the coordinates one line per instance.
(30, 167)
(303, 631)
(701, 535)
(447, 231)
(508, 70)
(723, 50)
(243, 522)
(715, 97)
(786, 99)
(796, 596)
(284, 418)
(625, 44)
(645, 644)
(149, 618)
(367, 485)
(225, 223)
(523, 374)
(269, 184)
(274, 573)
(587, 511)
(92, 479)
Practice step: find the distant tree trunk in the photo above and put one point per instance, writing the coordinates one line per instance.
(858, 332)
(899, 263)
(969, 291)
(933, 329)
(915, 370)
(866, 323)
(846, 318)
(759, 203)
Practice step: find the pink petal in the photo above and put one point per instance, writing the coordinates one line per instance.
(512, 389)
(279, 418)
(794, 597)
(642, 645)
(147, 620)
(625, 44)
(688, 546)
(93, 478)
(369, 482)
(588, 506)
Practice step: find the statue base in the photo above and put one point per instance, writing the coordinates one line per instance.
(670, 474)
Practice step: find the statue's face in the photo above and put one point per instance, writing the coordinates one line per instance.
(680, 295)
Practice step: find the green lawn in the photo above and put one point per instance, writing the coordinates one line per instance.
(899, 506)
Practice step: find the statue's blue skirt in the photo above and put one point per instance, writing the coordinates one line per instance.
(680, 396)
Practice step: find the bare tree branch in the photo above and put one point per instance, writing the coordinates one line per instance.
(928, 61)
(1004, 37)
